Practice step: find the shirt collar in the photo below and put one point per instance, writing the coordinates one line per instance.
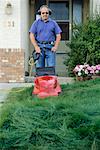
(47, 20)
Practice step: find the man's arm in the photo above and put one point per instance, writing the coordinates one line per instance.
(33, 41)
(58, 38)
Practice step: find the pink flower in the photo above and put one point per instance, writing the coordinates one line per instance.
(98, 67)
(85, 70)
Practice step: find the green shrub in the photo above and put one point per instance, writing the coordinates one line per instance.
(85, 44)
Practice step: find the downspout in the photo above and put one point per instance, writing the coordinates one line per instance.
(91, 9)
(70, 20)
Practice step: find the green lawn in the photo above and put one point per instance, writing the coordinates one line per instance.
(70, 121)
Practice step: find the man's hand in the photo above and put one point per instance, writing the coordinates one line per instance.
(54, 48)
(58, 38)
(37, 49)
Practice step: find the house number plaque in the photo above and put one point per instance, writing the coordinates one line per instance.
(10, 24)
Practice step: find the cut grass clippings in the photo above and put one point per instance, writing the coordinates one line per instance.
(70, 121)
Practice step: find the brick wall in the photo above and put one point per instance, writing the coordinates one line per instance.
(11, 65)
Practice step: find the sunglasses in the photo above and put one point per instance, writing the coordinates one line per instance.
(44, 13)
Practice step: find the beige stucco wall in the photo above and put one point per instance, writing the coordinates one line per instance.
(10, 25)
(96, 6)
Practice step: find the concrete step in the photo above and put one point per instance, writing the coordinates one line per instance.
(62, 80)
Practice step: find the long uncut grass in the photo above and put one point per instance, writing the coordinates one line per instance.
(70, 121)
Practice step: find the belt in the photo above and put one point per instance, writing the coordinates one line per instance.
(46, 42)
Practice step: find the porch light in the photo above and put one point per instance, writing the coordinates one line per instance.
(8, 8)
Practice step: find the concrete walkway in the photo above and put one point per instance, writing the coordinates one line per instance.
(6, 87)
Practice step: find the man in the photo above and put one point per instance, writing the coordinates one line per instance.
(45, 35)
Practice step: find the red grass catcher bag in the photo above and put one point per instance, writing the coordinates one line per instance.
(45, 86)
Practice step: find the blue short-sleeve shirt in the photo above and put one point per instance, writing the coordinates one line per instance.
(45, 31)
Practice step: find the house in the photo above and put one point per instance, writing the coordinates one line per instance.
(16, 17)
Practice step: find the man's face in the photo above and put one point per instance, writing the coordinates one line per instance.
(44, 14)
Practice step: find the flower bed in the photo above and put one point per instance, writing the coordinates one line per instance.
(86, 72)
